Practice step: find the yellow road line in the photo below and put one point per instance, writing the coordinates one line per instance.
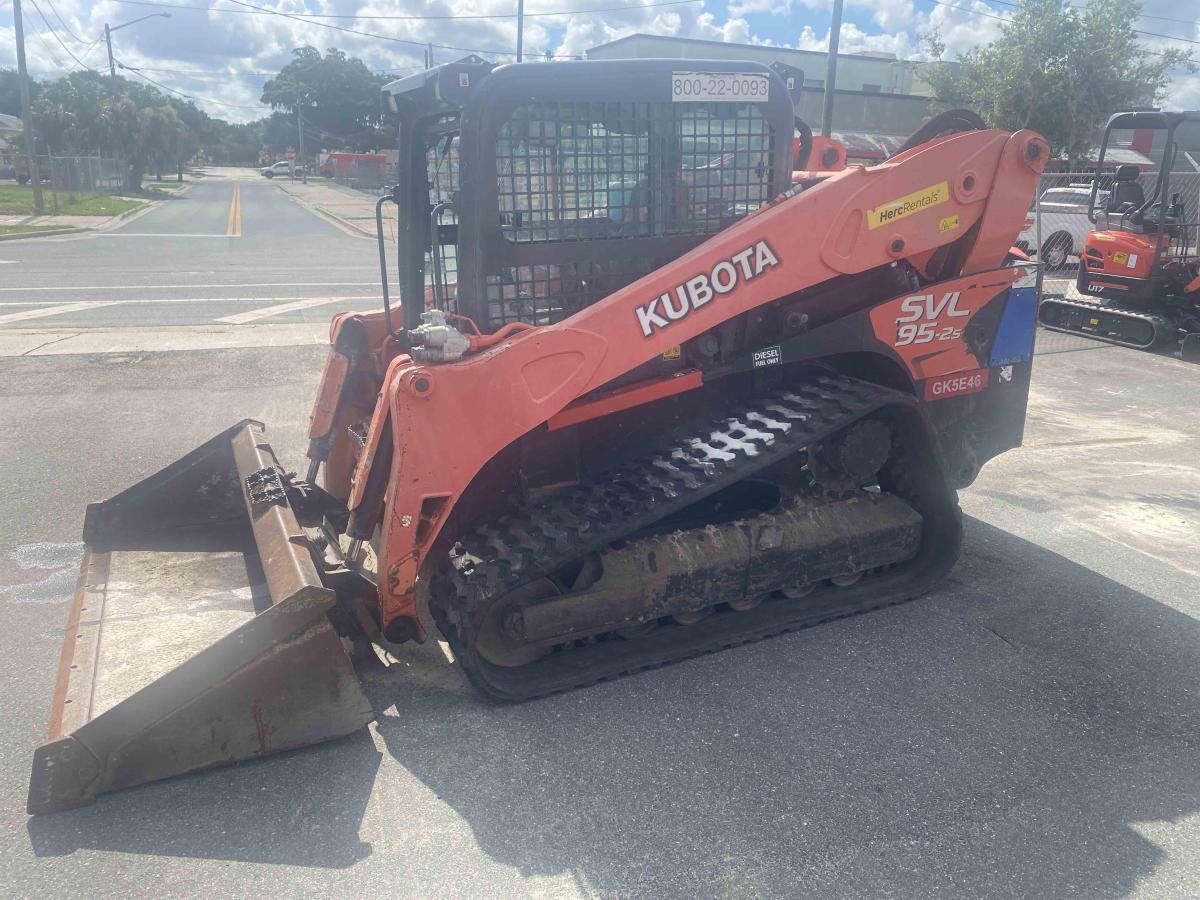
(233, 222)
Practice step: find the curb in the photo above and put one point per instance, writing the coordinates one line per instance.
(121, 218)
(104, 225)
(38, 234)
(344, 224)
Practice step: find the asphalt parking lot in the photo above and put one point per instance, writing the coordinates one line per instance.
(1030, 729)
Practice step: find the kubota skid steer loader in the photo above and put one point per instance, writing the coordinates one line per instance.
(641, 398)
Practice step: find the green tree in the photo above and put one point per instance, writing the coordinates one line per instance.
(337, 95)
(66, 112)
(1060, 70)
(141, 134)
(226, 144)
(10, 93)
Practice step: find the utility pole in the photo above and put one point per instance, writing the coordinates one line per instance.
(520, 27)
(26, 109)
(835, 32)
(112, 67)
(300, 128)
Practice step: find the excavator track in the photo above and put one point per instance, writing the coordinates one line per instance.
(505, 558)
(1105, 321)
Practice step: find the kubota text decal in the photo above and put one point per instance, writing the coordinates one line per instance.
(695, 292)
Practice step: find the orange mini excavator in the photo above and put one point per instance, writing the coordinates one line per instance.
(1139, 273)
(640, 397)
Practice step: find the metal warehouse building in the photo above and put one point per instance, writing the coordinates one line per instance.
(880, 100)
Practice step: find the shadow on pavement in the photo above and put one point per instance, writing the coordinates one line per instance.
(302, 808)
(1000, 737)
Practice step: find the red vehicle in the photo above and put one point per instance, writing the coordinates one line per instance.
(347, 165)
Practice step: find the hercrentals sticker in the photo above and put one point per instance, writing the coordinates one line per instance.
(725, 276)
(908, 204)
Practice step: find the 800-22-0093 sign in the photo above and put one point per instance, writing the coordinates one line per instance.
(727, 86)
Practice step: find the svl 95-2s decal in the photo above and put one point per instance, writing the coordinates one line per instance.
(929, 331)
(920, 323)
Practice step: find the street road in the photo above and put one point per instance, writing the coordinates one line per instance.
(230, 250)
(1029, 729)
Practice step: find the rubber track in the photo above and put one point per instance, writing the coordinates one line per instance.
(541, 540)
(1162, 327)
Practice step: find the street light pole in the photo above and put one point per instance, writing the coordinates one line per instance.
(300, 128)
(112, 66)
(520, 27)
(26, 109)
(835, 32)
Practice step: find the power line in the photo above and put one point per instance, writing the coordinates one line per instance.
(975, 12)
(1169, 37)
(213, 75)
(194, 99)
(968, 9)
(381, 37)
(61, 43)
(60, 66)
(308, 15)
(67, 28)
(1166, 19)
(224, 74)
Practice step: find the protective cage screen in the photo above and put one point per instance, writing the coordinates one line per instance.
(442, 174)
(575, 172)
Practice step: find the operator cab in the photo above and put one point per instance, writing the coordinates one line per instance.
(530, 191)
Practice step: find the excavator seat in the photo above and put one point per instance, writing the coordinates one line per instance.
(1126, 203)
(1126, 190)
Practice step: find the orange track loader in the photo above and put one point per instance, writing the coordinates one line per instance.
(642, 397)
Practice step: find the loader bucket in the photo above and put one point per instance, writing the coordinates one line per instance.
(198, 635)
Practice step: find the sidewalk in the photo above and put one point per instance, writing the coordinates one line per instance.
(60, 221)
(347, 207)
(48, 224)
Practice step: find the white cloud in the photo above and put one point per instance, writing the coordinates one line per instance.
(1184, 93)
(851, 39)
(8, 47)
(960, 30)
(739, 8)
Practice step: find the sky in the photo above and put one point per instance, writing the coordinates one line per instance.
(220, 52)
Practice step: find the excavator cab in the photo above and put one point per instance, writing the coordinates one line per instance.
(1138, 271)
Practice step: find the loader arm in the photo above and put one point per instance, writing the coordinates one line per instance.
(437, 425)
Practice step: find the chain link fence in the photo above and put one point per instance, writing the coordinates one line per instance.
(1058, 224)
(66, 180)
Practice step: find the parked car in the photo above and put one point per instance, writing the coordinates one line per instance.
(1065, 224)
(283, 167)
